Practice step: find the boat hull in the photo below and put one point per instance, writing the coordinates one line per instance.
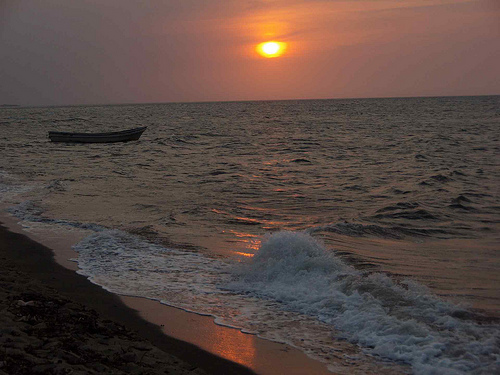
(121, 136)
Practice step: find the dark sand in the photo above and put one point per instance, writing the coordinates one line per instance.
(54, 321)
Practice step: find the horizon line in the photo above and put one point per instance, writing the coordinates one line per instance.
(11, 106)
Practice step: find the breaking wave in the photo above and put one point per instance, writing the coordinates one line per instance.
(294, 273)
(399, 321)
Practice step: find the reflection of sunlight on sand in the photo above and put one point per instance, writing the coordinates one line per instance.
(200, 330)
(262, 356)
(238, 347)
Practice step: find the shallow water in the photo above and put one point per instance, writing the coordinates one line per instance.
(407, 188)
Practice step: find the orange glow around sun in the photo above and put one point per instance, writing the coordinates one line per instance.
(271, 49)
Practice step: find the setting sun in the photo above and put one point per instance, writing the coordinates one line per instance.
(271, 49)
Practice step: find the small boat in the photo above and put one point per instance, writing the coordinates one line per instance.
(121, 136)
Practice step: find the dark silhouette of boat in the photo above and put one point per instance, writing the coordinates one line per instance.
(121, 136)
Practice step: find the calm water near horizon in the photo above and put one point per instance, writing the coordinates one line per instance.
(374, 222)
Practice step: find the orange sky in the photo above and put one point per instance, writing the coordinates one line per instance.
(124, 51)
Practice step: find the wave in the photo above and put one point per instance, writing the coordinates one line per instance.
(69, 119)
(461, 199)
(30, 212)
(409, 215)
(399, 321)
(441, 178)
(400, 206)
(361, 230)
(458, 206)
(301, 160)
(11, 186)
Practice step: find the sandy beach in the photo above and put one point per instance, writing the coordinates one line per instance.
(53, 321)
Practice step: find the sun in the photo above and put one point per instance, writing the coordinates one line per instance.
(271, 49)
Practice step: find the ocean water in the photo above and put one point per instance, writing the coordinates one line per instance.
(373, 223)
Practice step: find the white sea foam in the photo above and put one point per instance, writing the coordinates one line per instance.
(128, 265)
(402, 322)
(293, 277)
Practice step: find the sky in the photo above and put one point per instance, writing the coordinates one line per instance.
(63, 52)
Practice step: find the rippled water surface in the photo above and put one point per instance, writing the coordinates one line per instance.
(402, 194)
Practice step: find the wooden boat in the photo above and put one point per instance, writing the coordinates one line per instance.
(121, 136)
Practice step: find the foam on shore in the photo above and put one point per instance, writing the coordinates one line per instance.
(296, 274)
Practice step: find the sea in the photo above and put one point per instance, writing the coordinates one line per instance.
(371, 222)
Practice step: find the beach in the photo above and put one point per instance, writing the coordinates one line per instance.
(55, 321)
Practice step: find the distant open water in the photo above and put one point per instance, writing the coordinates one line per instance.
(338, 214)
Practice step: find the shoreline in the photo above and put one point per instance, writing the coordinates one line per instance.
(29, 261)
(216, 350)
